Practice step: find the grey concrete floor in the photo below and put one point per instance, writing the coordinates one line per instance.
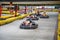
(45, 30)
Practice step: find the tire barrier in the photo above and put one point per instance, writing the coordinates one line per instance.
(58, 30)
(9, 20)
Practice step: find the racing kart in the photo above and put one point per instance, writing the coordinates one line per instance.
(33, 17)
(44, 16)
(30, 25)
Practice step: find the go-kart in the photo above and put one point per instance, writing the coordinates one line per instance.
(44, 16)
(33, 17)
(37, 14)
(28, 25)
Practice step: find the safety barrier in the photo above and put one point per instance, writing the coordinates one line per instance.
(5, 12)
(58, 30)
(6, 16)
(2, 22)
(50, 10)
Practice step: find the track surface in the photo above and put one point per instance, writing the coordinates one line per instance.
(45, 30)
